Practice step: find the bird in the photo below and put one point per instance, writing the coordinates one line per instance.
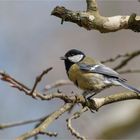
(91, 75)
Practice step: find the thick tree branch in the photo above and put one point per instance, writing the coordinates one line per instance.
(128, 95)
(92, 20)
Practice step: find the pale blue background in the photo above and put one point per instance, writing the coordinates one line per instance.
(32, 40)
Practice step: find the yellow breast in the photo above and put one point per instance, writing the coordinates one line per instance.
(85, 80)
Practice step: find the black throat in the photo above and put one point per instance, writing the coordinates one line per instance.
(68, 64)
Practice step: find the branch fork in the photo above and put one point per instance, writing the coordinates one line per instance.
(69, 100)
(92, 20)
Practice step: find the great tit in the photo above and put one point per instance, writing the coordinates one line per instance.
(90, 75)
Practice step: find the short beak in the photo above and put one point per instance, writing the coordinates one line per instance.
(63, 58)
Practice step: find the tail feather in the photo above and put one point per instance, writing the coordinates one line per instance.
(125, 85)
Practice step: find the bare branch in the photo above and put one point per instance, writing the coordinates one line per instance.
(70, 100)
(50, 134)
(115, 58)
(97, 103)
(127, 58)
(38, 79)
(129, 71)
(75, 98)
(58, 84)
(44, 125)
(13, 82)
(20, 86)
(93, 104)
(125, 61)
(13, 124)
(16, 84)
(69, 124)
(92, 6)
(92, 20)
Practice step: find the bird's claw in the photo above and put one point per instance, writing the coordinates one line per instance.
(87, 103)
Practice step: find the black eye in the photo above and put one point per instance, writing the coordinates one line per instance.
(72, 54)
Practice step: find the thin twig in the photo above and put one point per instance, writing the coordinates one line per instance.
(50, 134)
(38, 79)
(13, 82)
(69, 124)
(16, 84)
(58, 84)
(20, 86)
(115, 58)
(14, 124)
(125, 61)
(129, 71)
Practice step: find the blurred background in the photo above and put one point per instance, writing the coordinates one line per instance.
(32, 40)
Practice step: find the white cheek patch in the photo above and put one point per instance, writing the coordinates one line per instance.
(76, 58)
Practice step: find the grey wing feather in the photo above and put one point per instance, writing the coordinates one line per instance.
(112, 75)
(100, 69)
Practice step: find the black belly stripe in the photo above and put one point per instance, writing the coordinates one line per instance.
(76, 83)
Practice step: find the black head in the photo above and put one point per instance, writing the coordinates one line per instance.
(71, 57)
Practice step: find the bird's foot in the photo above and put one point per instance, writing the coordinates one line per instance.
(87, 103)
